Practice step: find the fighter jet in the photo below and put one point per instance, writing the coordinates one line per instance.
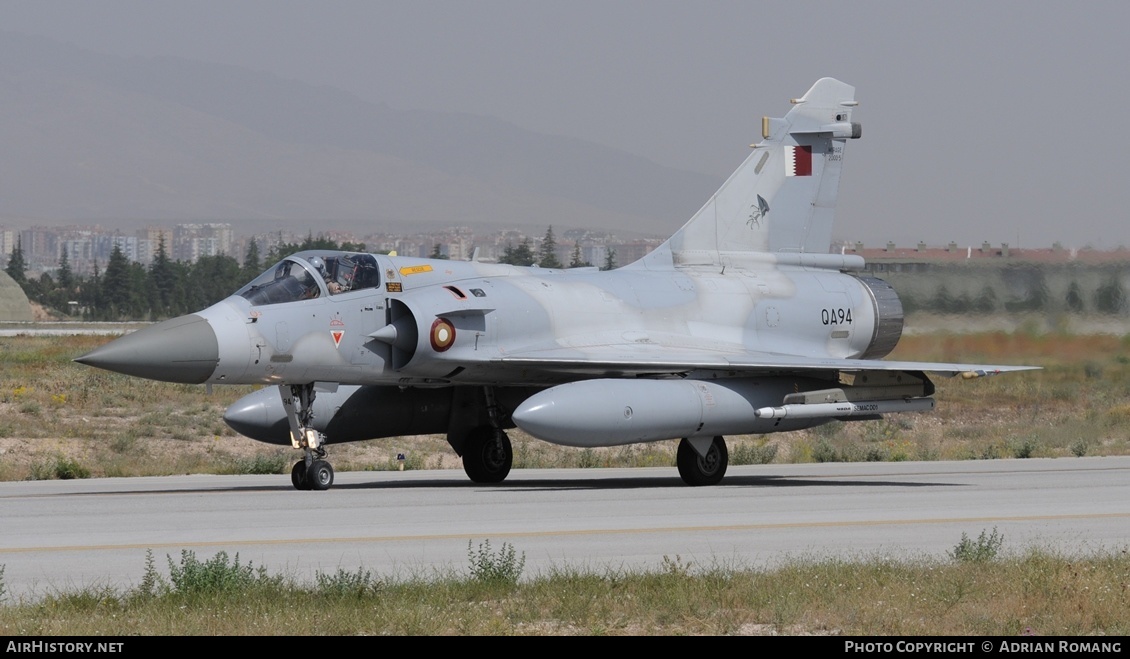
(742, 322)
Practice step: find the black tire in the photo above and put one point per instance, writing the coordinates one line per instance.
(486, 460)
(298, 476)
(320, 476)
(699, 470)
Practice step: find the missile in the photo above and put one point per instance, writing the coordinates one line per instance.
(845, 409)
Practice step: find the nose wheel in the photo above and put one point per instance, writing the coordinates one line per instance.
(318, 475)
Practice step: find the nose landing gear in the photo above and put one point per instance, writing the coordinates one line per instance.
(313, 472)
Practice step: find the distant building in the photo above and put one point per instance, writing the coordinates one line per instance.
(7, 242)
(153, 237)
(632, 251)
(192, 241)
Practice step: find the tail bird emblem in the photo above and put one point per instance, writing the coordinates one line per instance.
(756, 212)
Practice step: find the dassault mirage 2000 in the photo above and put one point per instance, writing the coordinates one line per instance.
(742, 322)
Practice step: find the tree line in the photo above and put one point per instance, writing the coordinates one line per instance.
(545, 256)
(1109, 298)
(127, 290)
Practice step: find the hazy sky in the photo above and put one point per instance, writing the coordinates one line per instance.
(981, 120)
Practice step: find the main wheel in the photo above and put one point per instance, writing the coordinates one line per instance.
(298, 476)
(696, 469)
(487, 455)
(320, 476)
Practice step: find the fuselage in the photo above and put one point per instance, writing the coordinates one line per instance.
(430, 322)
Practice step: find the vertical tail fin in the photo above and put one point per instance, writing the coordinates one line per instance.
(782, 198)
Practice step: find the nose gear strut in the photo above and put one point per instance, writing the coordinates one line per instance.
(313, 472)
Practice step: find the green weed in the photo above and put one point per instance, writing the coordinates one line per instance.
(152, 583)
(218, 575)
(345, 584)
(59, 467)
(982, 550)
(1024, 448)
(825, 452)
(675, 567)
(490, 567)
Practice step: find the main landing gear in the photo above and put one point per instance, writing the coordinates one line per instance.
(702, 461)
(313, 472)
(487, 454)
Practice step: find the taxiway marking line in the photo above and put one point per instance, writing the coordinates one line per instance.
(572, 532)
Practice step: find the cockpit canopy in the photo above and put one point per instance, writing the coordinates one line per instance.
(308, 275)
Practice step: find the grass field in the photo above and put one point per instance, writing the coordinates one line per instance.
(976, 591)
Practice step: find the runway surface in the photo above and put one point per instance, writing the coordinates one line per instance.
(65, 535)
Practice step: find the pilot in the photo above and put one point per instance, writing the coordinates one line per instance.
(320, 266)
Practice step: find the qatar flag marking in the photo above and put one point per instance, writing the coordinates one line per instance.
(798, 161)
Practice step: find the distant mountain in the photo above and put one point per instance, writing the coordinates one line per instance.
(92, 137)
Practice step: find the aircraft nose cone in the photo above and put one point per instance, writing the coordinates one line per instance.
(181, 350)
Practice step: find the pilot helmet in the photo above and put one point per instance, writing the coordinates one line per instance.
(318, 264)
